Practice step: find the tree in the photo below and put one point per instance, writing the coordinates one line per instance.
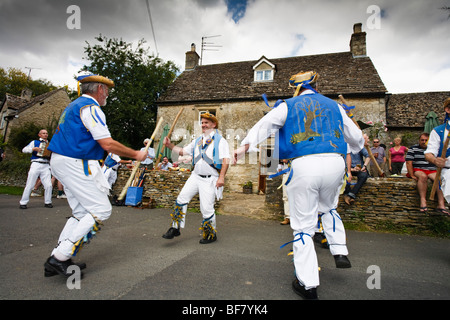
(13, 81)
(139, 80)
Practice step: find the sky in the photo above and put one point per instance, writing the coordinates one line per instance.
(407, 40)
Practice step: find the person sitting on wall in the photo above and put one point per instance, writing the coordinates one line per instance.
(421, 170)
(357, 166)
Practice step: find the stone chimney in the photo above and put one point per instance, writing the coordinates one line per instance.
(358, 41)
(192, 58)
(26, 94)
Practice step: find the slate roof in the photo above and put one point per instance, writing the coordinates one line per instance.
(340, 73)
(409, 110)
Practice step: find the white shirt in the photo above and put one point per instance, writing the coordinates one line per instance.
(434, 143)
(95, 121)
(275, 119)
(202, 167)
(150, 155)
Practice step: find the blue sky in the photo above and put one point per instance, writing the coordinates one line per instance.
(407, 40)
(236, 8)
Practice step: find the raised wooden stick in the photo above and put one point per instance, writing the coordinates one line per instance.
(136, 166)
(380, 172)
(168, 135)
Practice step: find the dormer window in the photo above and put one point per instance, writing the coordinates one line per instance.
(264, 70)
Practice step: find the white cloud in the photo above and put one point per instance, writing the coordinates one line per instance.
(410, 49)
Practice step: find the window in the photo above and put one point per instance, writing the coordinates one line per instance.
(263, 75)
(264, 70)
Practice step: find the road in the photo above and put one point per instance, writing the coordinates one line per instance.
(129, 260)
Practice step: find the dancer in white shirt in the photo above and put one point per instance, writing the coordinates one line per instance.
(211, 157)
(313, 132)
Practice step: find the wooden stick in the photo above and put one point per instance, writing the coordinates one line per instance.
(439, 169)
(136, 167)
(380, 172)
(168, 135)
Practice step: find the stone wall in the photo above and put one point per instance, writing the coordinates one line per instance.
(162, 187)
(381, 202)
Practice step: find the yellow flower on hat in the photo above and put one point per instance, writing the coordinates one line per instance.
(210, 117)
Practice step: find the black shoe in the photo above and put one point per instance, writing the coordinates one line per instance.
(23, 206)
(48, 205)
(320, 239)
(342, 261)
(172, 232)
(51, 273)
(60, 267)
(206, 241)
(308, 294)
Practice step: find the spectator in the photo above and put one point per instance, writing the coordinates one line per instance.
(165, 164)
(356, 166)
(421, 170)
(397, 156)
(380, 156)
(148, 162)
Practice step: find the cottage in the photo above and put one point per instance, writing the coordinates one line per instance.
(233, 92)
(42, 110)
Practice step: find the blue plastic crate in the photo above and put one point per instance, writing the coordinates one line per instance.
(134, 196)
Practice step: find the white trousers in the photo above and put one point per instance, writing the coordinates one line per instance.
(87, 197)
(205, 188)
(314, 188)
(445, 185)
(37, 170)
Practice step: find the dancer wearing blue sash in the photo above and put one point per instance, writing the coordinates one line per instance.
(313, 132)
(210, 158)
(80, 140)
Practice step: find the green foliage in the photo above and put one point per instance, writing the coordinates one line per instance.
(13, 81)
(22, 136)
(15, 168)
(139, 80)
(17, 191)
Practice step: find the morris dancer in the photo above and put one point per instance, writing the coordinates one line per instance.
(211, 157)
(79, 142)
(40, 167)
(313, 132)
(435, 147)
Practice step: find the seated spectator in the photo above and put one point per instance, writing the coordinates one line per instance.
(356, 166)
(421, 170)
(165, 164)
(380, 156)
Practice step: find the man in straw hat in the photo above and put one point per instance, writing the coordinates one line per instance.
(210, 157)
(315, 134)
(434, 150)
(80, 140)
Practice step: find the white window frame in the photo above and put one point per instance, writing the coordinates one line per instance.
(263, 75)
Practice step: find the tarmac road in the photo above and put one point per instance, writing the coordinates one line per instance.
(129, 260)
